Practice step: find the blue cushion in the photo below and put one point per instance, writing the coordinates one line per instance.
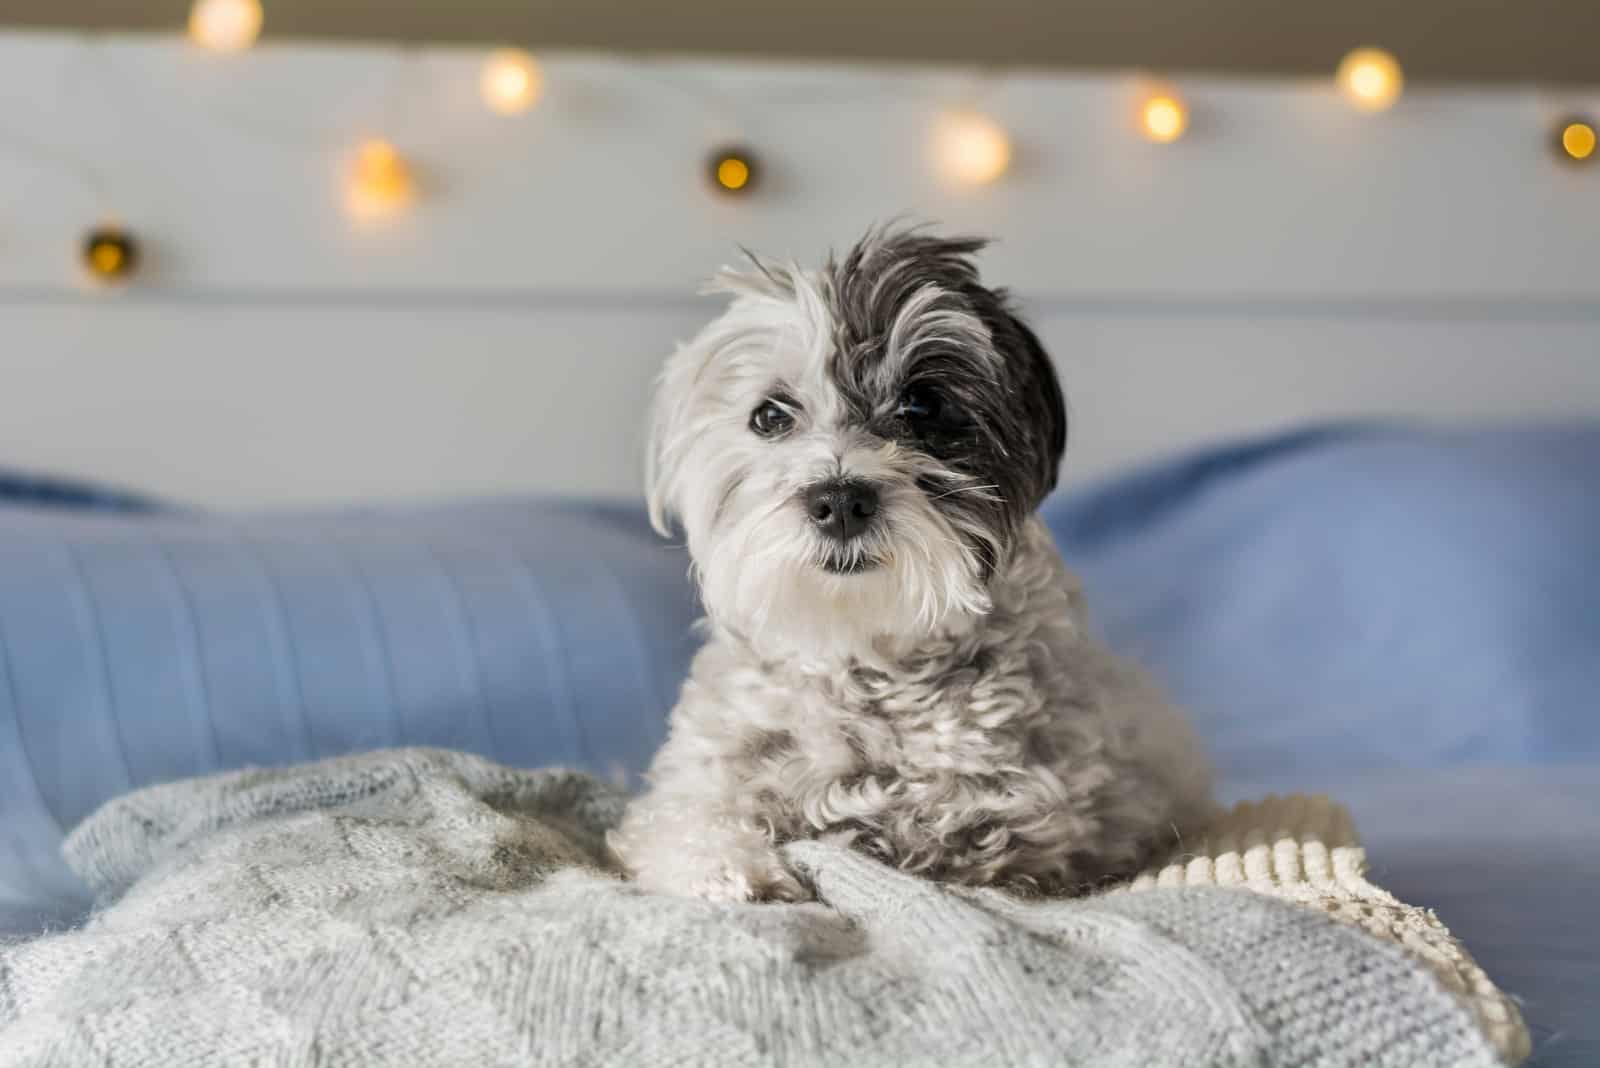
(143, 647)
(1361, 596)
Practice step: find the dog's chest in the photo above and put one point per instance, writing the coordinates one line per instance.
(914, 727)
(874, 749)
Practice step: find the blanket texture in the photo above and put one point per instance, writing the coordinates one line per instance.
(419, 907)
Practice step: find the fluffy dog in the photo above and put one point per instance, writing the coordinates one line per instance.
(898, 659)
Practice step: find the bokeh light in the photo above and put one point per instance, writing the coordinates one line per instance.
(1576, 140)
(511, 81)
(225, 25)
(1371, 79)
(380, 181)
(732, 169)
(1164, 118)
(970, 148)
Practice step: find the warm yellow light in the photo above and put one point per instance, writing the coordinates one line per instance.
(732, 169)
(1164, 118)
(1578, 140)
(225, 25)
(511, 81)
(733, 173)
(970, 148)
(380, 180)
(1370, 79)
(110, 253)
(106, 258)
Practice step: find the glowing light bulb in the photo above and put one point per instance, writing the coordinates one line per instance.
(970, 148)
(1370, 79)
(225, 25)
(511, 81)
(733, 174)
(732, 170)
(110, 253)
(380, 181)
(1576, 140)
(1164, 118)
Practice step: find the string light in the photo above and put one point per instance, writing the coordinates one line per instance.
(110, 253)
(970, 148)
(1575, 140)
(511, 81)
(1164, 117)
(225, 25)
(1370, 78)
(732, 169)
(380, 181)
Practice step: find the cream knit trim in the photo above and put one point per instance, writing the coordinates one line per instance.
(1305, 849)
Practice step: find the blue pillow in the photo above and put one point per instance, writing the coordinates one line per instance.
(1361, 597)
(136, 648)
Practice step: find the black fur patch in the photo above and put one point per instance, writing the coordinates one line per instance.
(1002, 421)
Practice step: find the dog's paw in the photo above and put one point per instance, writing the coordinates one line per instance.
(726, 887)
(764, 880)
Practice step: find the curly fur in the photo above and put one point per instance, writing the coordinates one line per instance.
(927, 692)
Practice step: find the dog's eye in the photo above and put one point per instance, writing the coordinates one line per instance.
(771, 419)
(920, 404)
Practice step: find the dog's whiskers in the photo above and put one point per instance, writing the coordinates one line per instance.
(968, 489)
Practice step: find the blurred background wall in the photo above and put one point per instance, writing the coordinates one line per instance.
(485, 310)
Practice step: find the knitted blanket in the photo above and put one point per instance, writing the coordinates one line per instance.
(419, 907)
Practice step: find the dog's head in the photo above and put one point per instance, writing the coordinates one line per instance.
(852, 452)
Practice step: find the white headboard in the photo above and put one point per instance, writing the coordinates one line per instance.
(1289, 259)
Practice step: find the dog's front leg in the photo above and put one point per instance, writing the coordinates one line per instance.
(693, 845)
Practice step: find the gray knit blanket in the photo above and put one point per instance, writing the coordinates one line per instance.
(419, 907)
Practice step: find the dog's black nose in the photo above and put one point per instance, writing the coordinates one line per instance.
(842, 508)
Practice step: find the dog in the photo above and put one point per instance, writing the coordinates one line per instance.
(898, 660)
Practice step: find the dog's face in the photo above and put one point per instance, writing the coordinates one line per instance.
(851, 452)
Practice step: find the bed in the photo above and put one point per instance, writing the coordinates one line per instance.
(1408, 619)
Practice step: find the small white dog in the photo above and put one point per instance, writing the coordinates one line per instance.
(898, 659)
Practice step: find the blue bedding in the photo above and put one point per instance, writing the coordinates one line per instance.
(1362, 596)
(1407, 618)
(141, 649)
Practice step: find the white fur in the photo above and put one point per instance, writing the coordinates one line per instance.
(947, 720)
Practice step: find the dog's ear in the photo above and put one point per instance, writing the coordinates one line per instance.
(1037, 385)
(667, 439)
(1045, 393)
